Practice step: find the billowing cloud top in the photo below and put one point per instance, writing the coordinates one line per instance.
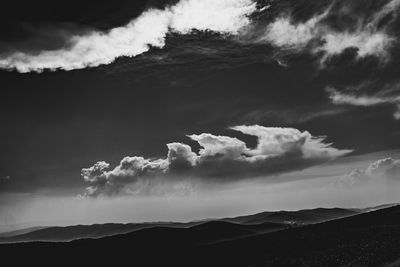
(370, 36)
(220, 159)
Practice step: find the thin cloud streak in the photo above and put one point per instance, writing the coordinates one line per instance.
(387, 96)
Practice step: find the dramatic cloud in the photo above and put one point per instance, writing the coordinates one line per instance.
(148, 30)
(221, 159)
(370, 36)
(357, 97)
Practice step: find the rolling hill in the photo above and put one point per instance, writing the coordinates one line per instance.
(250, 224)
(366, 239)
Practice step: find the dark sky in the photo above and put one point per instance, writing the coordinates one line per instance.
(55, 123)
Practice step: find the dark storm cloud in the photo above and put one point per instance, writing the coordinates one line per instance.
(231, 18)
(220, 159)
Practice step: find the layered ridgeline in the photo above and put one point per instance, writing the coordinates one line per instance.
(368, 238)
(226, 228)
(324, 29)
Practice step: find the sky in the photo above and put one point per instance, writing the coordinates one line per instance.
(182, 110)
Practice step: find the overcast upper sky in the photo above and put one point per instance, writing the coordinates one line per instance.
(128, 99)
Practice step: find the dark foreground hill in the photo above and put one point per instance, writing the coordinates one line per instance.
(367, 239)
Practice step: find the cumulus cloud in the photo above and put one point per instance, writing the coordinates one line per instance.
(221, 159)
(148, 30)
(368, 37)
(387, 169)
(387, 166)
(388, 95)
(130, 170)
(284, 141)
(222, 146)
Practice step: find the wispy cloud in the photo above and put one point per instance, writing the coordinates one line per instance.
(284, 33)
(388, 95)
(296, 115)
(367, 43)
(367, 37)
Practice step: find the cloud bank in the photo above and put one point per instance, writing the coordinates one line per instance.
(221, 159)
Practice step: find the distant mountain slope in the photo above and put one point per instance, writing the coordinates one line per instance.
(69, 233)
(263, 222)
(379, 207)
(21, 231)
(295, 217)
(368, 239)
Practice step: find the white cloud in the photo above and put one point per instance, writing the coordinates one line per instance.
(181, 156)
(149, 29)
(382, 166)
(221, 159)
(283, 33)
(390, 8)
(223, 146)
(318, 37)
(358, 100)
(280, 141)
(382, 170)
(229, 17)
(223, 16)
(387, 95)
(367, 43)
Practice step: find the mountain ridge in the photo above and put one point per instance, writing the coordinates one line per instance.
(278, 220)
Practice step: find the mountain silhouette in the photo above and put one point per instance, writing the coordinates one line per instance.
(367, 238)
